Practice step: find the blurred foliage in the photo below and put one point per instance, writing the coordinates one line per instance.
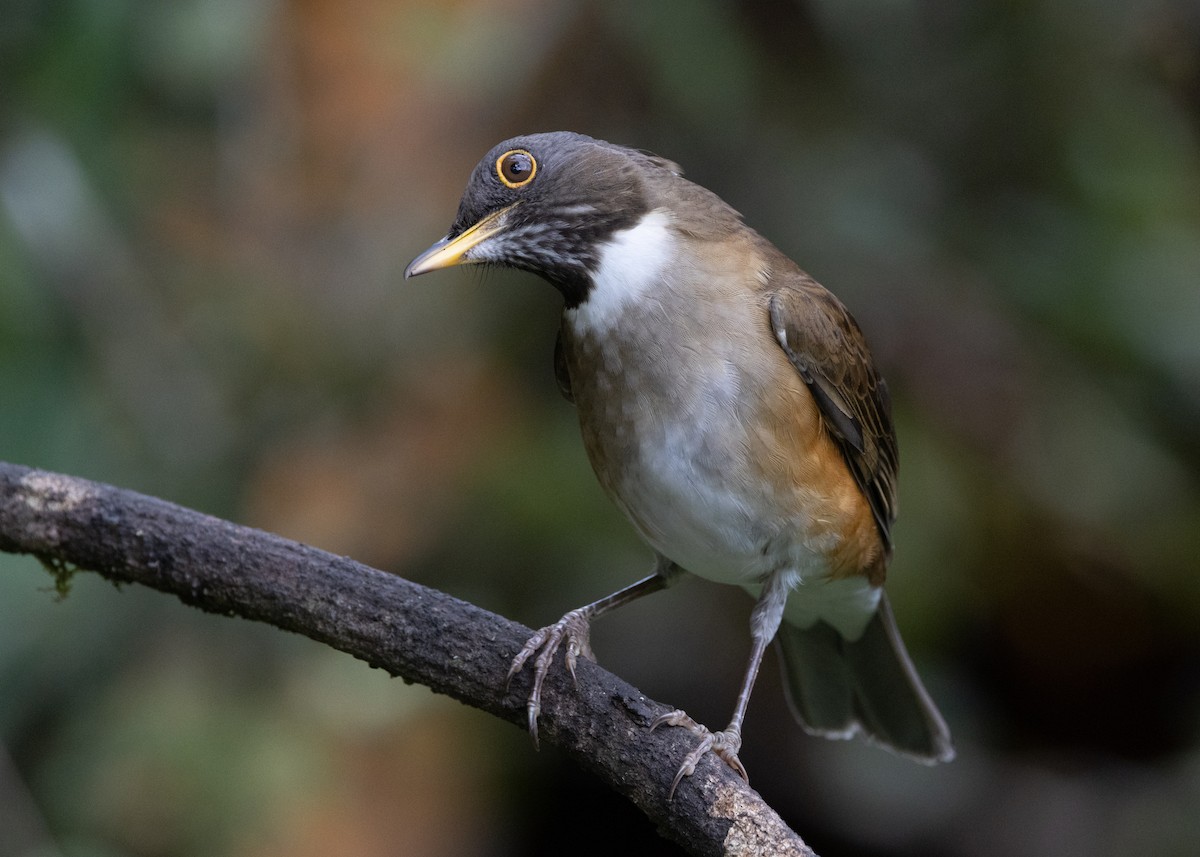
(205, 209)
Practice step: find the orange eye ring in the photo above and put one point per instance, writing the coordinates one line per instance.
(516, 168)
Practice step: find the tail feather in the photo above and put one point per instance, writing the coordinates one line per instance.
(838, 688)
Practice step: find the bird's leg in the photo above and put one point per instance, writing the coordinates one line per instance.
(574, 629)
(764, 623)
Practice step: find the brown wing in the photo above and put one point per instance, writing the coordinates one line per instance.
(824, 343)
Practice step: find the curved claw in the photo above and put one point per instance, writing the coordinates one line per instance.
(724, 744)
(573, 629)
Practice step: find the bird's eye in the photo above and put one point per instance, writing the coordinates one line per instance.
(516, 168)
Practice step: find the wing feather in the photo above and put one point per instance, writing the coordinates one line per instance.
(827, 348)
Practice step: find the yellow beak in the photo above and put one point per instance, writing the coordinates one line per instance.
(453, 251)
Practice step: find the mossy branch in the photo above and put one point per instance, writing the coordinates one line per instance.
(419, 634)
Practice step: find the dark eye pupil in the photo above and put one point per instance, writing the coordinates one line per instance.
(517, 168)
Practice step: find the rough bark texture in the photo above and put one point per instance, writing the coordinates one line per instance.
(411, 631)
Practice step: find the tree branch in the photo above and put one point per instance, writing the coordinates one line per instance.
(413, 632)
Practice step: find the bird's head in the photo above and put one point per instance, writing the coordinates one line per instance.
(547, 203)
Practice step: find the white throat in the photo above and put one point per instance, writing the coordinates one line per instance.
(631, 264)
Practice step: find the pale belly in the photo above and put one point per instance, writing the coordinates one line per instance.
(675, 459)
(704, 434)
(687, 491)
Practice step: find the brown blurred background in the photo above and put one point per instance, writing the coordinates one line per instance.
(205, 210)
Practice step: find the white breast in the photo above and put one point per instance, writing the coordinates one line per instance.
(631, 264)
(665, 396)
(670, 394)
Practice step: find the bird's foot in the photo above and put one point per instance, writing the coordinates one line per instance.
(573, 629)
(724, 744)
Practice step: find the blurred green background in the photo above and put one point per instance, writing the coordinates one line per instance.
(205, 210)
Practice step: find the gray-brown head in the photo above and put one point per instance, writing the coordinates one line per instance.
(547, 203)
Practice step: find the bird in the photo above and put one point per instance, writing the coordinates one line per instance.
(730, 407)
